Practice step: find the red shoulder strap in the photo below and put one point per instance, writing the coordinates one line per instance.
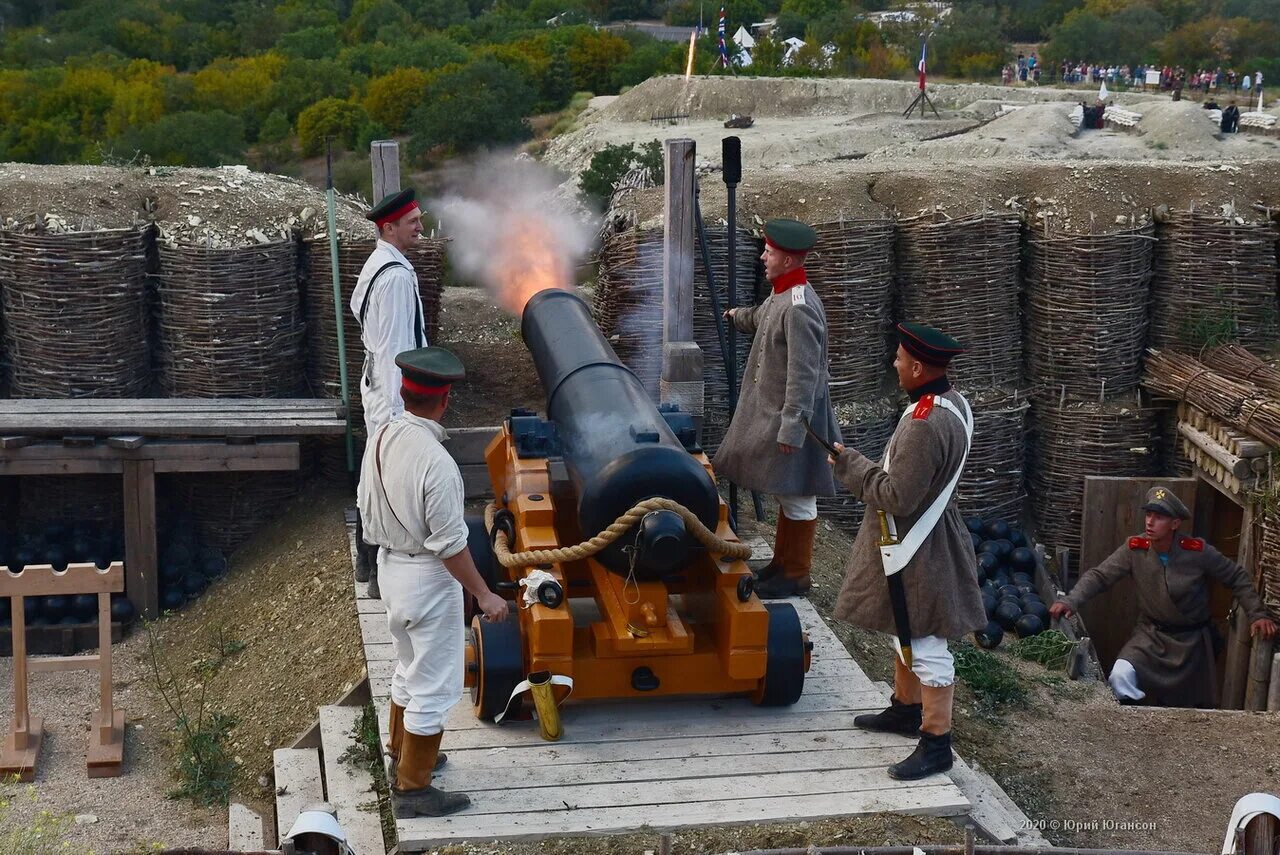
(1139, 543)
(1191, 544)
(923, 407)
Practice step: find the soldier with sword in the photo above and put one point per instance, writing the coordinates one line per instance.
(913, 573)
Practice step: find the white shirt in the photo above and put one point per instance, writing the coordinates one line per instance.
(414, 506)
(392, 324)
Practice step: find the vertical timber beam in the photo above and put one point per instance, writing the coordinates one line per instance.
(142, 582)
(681, 380)
(385, 157)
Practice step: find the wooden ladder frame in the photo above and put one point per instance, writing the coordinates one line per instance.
(106, 738)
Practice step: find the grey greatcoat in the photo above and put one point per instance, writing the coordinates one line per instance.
(1171, 648)
(785, 383)
(941, 580)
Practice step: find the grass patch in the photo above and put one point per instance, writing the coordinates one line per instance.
(204, 766)
(569, 115)
(994, 683)
(366, 753)
(1051, 649)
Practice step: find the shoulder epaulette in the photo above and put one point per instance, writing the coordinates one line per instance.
(1139, 543)
(923, 407)
(1191, 544)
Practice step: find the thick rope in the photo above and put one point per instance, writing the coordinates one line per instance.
(708, 538)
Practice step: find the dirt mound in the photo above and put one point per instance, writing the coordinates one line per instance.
(719, 97)
(225, 207)
(1180, 126)
(1033, 131)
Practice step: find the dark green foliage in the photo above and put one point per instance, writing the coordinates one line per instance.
(472, 106)
(187, 139)
(612, 162)
(994, 683)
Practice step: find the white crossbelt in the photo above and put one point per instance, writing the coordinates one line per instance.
(897, 555)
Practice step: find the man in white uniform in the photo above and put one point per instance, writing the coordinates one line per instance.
(411, 498)
(388, 308)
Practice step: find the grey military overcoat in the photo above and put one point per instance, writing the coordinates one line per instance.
(785, 383)
(941, 580)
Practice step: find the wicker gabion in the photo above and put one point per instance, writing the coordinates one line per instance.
(628, 309)
(230, 506)
(230, 322)
(992, 486)
(1075, 439)
(323, 372)
(1269, 561)
(867, 427)
(1087, 305)
(75, 314)
(1215, 281)
(851, 268)
(962, 276)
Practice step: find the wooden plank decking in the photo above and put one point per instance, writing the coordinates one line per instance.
(668, 764)
(172, 417)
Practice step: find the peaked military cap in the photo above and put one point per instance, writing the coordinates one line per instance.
(1162, 500)
(429, 370)
(790, 235)
(930, 346)
(394, 207)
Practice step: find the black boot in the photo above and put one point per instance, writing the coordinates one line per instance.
(780, 585)
(374, 591)
(898, 718)
(932, 755)
(427, 801)
(364, 561)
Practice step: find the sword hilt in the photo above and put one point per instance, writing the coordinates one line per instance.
(886, 539)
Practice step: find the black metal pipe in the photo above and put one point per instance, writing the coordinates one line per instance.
(618, 449)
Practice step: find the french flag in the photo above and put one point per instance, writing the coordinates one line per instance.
(924, 46)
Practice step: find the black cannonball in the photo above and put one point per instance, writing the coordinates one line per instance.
(988, 562)
(56, 557)
(213, 565)
(171, 572)
(172, 598)
(6, 616)
(179, 552)
(1021, 578)
(25, 556)
(194, 584)
(1023, 590)
(54, 608)
(990, 637)
(1022, 558)
(85, 607)
(989, 605)
(123, 610)
(976, 540)
(31, 608)
(1004, 549)
(997, 530)
(1007, 613)
(1028, 625)
(1038, 609)
(71, 620)
(1010, 591)
(102, 561)
(974, 524)
(1001, 579)
(1017, 538)
(989, 546)
(80, 551)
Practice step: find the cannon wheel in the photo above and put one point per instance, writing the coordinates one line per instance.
(486, 562)
(499, 663)
(785, 665)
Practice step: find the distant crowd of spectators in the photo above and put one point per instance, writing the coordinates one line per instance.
(1215, 81)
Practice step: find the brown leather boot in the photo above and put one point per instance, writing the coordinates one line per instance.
(906, 685)
(396, 726)
(412, 795)
(774, 567)
(797, 558)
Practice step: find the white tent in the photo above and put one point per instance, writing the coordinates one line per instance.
(744, 39)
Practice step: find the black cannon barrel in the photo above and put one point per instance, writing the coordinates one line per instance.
(617, 447)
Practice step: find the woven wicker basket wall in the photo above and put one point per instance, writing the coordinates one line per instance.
(851, 268)
(75, 314)
(1087, 308)
(1214, 280)
(230, 322)
(230, 506)
(867, 427)
(1269, 562)
(962, 276)
(1074, 439)
(993, 484)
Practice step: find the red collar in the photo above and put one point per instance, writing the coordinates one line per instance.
(787, 281)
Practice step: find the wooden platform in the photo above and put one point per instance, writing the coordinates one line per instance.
(668, 764)
(171, 417)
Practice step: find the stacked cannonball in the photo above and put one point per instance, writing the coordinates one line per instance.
(187, 566)
(1006, 576)
(58, 545)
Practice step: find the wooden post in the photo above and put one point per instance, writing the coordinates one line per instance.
(1236, 668)
(1273, 691)
(1261, 835)
(1255, 691)
(143, 578)
(385, 157)
(22, 744)
(681, 379)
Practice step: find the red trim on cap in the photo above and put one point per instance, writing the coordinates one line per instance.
(1191, 544)
(789, 280)
(407, 208)
(422, 388)
(1139, 543)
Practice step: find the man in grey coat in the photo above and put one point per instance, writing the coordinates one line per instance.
(1169, 659)
(784, 389)
(915, 487)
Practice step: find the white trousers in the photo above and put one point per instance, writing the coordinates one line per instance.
(931, 661)
(1123, 681)
(424, 614)
(798, 508)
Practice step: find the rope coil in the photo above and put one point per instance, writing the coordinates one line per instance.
(515, 560)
